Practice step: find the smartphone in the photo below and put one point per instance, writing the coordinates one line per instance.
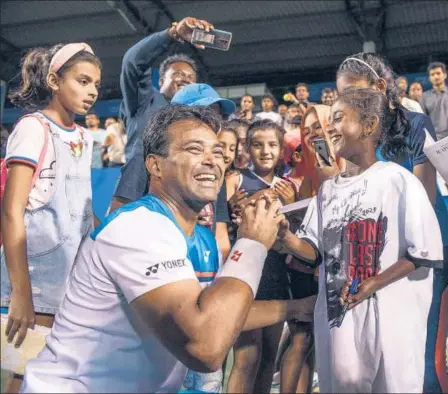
(321, 147)
(215, 39)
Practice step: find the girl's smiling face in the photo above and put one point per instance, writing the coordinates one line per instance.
(312, 130)
(265, 150)
(229, 143)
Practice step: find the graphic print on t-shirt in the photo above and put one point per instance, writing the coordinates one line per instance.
(352, 247)
(48, 173)
(76, 147)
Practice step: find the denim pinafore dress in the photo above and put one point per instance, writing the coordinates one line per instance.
(56, 230)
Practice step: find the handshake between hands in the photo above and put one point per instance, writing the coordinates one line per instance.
(259, 219)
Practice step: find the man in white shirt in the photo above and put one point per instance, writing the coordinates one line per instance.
(134, 316)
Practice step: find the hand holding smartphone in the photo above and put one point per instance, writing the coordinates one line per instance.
(215, 39)
(321, 148)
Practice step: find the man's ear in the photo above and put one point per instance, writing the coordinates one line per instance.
(153, 166)
(53, 82)
(381, 84)
(161, 81)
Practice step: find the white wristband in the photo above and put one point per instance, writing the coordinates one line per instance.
(245, 262)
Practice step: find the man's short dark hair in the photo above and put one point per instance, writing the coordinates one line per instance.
(327, 90)
(434, 65)
(92, 113)
(155, 136)
(300, 84)
(176, 58)
(401, 77)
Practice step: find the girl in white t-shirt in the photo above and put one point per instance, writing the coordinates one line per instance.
(373, 223)
(47, 207)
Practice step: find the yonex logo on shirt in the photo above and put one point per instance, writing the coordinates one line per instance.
(170, 264)
(152, 270)
(173, 263)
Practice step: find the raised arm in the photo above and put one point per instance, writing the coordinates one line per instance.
(136, 69)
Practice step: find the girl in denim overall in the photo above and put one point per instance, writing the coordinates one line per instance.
(47, 204)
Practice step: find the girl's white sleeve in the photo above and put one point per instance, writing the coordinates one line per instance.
(419, 224)
(26, 142)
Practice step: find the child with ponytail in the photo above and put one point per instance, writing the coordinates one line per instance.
(47, 203)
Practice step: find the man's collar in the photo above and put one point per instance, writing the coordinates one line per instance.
(443, 90)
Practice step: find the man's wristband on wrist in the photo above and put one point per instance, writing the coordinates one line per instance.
(245, 262)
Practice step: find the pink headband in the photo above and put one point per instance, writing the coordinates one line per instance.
(64, 54)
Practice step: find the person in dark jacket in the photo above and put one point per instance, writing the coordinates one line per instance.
(141, 100)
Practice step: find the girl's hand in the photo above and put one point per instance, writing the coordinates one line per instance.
(21, 317)
(325, 171)
(285, 191)
(239, 196)
(365, 290)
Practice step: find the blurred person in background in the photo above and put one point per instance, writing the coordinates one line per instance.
(335, 94)
(416, 91)
(293, 118)
(282, 111)
(109, 121)
(435, 101)
(141, 99)
(268, 104)
(4, 135)
(99, 136)
(302, 93)
(245, 112)
(327, 96)
(409, 104)
(115, 143)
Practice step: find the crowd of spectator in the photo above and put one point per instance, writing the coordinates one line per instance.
(204, 249)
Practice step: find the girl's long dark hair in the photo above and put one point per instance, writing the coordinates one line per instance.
(267, 124)
(33, 92)
(393, 140)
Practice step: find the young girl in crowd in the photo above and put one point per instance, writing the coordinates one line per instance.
(47, 205)
(373, 223)
(255, 350)
(407, 136)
